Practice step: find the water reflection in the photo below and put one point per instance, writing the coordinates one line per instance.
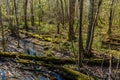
(42, 78)
(30, 49)
(2, 74)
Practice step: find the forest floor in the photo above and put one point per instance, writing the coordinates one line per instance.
(13, 70)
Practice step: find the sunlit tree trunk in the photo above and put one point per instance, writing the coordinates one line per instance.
(91, 25)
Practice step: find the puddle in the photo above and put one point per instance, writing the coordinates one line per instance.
(2, 74)
(29, 48)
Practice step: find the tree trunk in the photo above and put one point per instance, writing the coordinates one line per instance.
(80, 34)
(58, 16)
(90, 23)
(110, 18)
(58, 28)
(9, 18)
(25, 15)
(17, 22)
(62, 11)
(71, 34)
(66, 11)
(91, 28)
(39, 13)
(1, 23)
(32, 13)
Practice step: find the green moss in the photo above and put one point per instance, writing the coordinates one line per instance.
(48, 39)
(67, 73)
(53, 60)
(58, 61)
(37, 36)
(25, 61)
(75, 75)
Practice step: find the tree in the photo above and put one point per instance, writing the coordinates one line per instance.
(71, 34)
(80, 34)
(10, 20)
(39, 12)
(111, 17)
(1, 23)
(17, 22)
(66, 11)
(25, 15)
(62, 11)
(90, 23)
(32, 13)
(58, 16)
(91, 26)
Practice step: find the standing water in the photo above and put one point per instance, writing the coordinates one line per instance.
(2, 74)
(32, 52)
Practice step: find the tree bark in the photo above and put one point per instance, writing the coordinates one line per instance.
(17, 22)
(66, 11)
(25, 15)
(1, 23)
(90, 23)
(80, 34)
(91, 28)
(71, 34)
(110, 18)
(9, 18)
(39, 13)
(32, 13)
(58, 16)
(62, 11)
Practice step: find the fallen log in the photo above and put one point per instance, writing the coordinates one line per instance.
(66, 73)
(110, 43)
(46, 59)
(59, 61)
(48, 39)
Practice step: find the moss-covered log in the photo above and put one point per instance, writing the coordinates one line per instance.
(112, 40)
(58, 61)
(70, 74)
(67, 73)
(53, 60)
(48, 39)
(110, 43)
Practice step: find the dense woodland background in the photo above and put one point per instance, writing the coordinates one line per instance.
(78, 39)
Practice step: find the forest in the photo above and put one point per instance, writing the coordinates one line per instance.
(59, 39)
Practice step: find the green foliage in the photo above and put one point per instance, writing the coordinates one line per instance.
(45, 29)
